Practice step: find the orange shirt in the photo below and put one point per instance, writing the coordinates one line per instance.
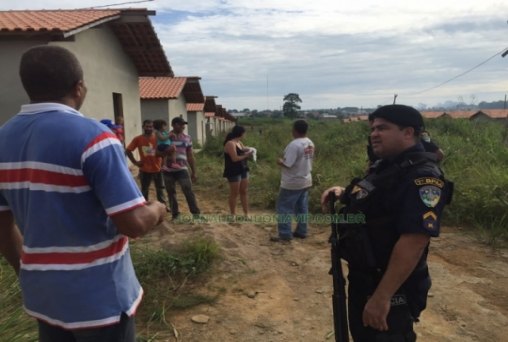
(147, 146)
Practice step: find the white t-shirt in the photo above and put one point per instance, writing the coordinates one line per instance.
(298, 161)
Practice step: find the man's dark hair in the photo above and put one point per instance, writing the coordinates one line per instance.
(301, 126)
(49, 73)
(147, 121)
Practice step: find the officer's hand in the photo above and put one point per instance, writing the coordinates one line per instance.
(324, 197)
(375, 312)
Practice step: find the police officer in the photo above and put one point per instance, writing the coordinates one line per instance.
(402, 199)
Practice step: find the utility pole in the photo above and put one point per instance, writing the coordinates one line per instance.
(505, 138)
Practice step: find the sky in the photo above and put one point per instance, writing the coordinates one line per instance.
(333, 53)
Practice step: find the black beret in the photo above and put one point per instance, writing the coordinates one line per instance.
(400, 115)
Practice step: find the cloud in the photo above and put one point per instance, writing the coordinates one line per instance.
(251, 53)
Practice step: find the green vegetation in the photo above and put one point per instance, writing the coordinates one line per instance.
(291, 107)
(169, 278)
(15, 325)
(475, 160)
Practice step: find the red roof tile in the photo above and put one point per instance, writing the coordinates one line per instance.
(432, 115)
(161, 87)
(136, 33)
(58, 21)
(461, 114)
(195, 107)
(496, 113)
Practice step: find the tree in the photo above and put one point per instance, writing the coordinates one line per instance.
(291, 107)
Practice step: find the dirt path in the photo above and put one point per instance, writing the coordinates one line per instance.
(273, 292)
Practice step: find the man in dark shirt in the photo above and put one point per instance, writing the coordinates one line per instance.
(402, 199)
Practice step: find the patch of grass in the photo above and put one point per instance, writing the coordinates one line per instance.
(186, 301)
(15, 324)
(192, 258)
(170, 279)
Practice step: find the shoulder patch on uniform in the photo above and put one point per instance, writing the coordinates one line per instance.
(430, 195)
(429, 220)
(429, 181)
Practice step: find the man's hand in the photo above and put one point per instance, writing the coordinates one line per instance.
(193, 177)
(139, 163)
(170, 149)
(324, 197)
(140, 220)
(375, 312)
(160, 208)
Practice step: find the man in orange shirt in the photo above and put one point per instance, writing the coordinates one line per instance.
(149, 163)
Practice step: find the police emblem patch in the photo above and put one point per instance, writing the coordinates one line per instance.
(430, 195)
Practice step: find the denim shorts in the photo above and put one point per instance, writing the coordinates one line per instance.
(237, 178)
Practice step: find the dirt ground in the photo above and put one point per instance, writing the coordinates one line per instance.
(273, 292)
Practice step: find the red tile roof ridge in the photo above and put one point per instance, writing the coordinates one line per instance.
(52, 20)
(161, 87)
(64, 10)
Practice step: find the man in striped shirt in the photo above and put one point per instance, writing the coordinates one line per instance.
(66, 186)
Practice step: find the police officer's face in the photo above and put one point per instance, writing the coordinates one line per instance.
(389, 140)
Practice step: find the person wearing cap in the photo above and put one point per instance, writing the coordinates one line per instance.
(186, 174)
(402, 199)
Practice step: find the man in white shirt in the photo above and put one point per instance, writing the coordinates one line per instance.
(296, 180)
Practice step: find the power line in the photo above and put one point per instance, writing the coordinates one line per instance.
(504, 52)
(122, 3)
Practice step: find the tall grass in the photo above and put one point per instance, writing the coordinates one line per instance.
(475, 160)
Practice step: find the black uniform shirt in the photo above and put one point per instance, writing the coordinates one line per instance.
(420, 196)
(404, 200)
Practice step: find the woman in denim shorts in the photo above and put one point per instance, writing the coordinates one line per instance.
(236, 170)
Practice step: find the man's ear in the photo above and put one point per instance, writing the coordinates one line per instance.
(80, 89)
(409, 132)
(79, 93)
